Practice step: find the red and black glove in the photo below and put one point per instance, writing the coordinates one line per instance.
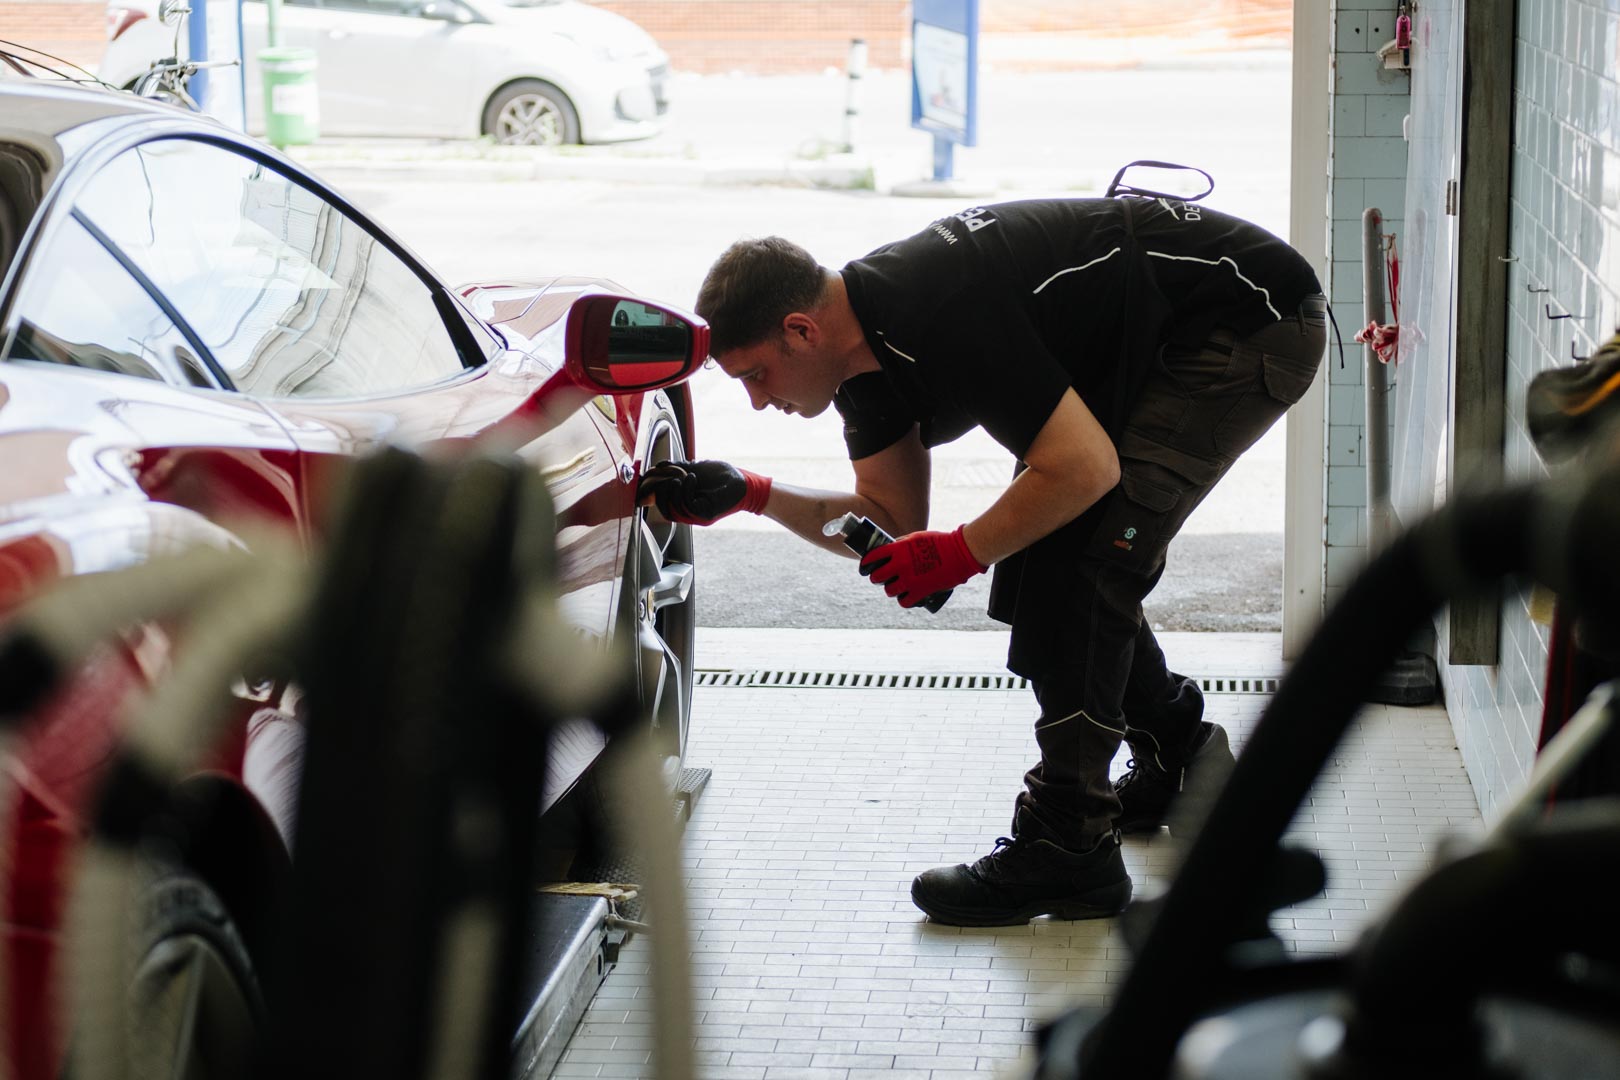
(920, 564)
(703, 492)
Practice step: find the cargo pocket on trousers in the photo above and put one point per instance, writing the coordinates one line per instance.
(1280, 381)
(1141, 516)
(1287, 377)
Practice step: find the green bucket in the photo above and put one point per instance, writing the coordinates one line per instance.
(292, 115)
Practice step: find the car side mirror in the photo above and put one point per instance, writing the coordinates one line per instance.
(619, 345)
(445, 11)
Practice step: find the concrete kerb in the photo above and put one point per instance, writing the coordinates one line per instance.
(474, 162)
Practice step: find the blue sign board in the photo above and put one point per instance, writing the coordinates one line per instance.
(215, 33)
(945, 75)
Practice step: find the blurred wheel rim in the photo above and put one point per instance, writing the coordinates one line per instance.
(530, 120)
(668, 627)
(197, 1019)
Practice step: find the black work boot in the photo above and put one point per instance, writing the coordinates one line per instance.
(1154, 778)
(1025, 876)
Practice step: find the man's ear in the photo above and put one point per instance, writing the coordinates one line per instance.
(796, 324)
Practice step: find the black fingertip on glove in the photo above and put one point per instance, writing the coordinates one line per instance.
(695, 492)
(658, 478)
(870, 566)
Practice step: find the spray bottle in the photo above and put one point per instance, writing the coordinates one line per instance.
(861, 535)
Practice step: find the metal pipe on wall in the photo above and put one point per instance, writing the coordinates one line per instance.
(1376, 383)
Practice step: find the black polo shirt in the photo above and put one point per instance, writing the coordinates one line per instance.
(985, 317)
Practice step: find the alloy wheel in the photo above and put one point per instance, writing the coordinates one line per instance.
(666, 612)
(530, 120)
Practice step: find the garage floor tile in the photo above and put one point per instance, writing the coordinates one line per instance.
(809, 959)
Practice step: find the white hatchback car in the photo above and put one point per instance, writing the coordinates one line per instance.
(535, 72)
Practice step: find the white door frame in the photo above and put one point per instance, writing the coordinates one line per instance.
(1305, 470)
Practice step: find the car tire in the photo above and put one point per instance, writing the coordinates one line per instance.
(665, 649)
(665, 582)
(198, 1008)
(531, 113)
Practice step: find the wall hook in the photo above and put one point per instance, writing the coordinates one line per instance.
(1507, 258)
(1573, 355)
(1536, 289)
(1565, 315)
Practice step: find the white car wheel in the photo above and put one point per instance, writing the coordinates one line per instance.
(531, 113)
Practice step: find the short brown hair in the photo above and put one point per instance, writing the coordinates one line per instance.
(753, 286)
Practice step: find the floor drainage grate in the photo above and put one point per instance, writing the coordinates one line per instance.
(856, 680)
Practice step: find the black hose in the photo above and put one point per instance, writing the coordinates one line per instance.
(421, 781)
(1471, 542)
(1421, 1019)
(29, 671)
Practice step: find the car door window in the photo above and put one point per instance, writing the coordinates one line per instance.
(80, 307)
(291, 296)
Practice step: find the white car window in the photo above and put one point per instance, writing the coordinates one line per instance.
(291, 296)
(80, 308)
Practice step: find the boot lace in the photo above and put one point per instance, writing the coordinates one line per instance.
(990, 866)
(1132, 775)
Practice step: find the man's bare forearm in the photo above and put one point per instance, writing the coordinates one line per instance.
(1034, 505)
(1071, 463)
(805, 511)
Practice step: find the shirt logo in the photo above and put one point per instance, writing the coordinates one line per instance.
(974, 218)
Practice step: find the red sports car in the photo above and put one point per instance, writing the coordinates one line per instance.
(193, 330)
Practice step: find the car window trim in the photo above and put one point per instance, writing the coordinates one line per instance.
(448, 301)
(121, 257)
(83, 167)
(460, 335)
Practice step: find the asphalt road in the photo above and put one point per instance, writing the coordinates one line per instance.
(1227, 582)
(1042, 135)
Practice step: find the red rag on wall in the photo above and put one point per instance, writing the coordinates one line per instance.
(1385, 340)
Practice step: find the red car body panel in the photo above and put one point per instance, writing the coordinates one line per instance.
(100, 471)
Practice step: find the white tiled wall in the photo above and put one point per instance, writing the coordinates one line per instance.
(1368, 169)
(1565, 235)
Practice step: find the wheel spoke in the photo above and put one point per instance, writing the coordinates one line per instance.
(674, 585)
(661, 681)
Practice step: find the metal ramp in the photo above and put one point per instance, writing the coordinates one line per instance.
(576, 932)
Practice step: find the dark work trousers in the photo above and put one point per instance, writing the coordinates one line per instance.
(1107, 679)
